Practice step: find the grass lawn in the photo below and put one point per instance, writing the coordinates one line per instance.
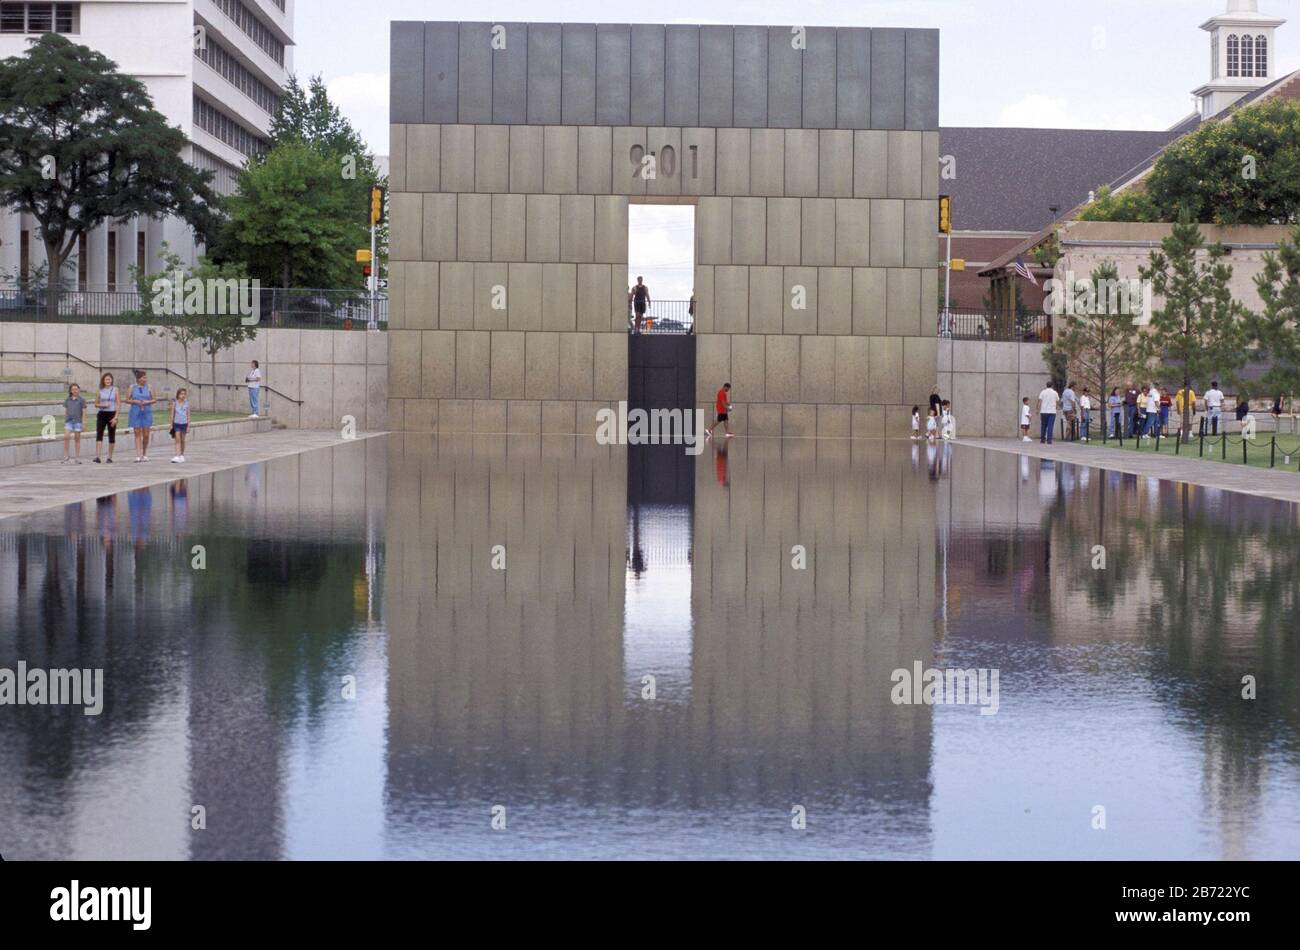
(1257, 452)
(31, 428)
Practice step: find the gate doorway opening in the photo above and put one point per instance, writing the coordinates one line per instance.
(661, 306)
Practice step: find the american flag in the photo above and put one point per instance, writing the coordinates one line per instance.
(1024, 271)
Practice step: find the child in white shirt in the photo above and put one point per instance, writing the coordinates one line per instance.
(916, 423)
(931, 425)
(1024, 419)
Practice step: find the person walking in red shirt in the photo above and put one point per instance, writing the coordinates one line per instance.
(723, 405)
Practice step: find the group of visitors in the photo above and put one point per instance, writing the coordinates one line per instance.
(940, 423)
(140, 398)
(108, 402)
(1076, 407)
(1137, 412)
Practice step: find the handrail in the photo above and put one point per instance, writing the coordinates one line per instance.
(149, 369)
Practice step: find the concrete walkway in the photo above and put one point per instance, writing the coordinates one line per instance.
(28, 488)
(1263, 482)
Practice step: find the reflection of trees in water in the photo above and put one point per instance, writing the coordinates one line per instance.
(1209, 581)
(287, 610)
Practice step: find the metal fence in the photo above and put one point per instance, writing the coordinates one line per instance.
(995, 326)
(309, 309)
(665, 316)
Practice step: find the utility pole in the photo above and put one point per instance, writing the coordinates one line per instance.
(945, 226)
(376, 215)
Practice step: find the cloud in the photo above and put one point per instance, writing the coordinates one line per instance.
(363, 99)
(1039, 111)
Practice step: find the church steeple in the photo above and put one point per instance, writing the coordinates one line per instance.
(1242, 55)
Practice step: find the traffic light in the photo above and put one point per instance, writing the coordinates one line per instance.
(365, 271)
(945, 214)
(376, 205)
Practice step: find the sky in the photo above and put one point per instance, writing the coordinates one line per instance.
(1101, 64)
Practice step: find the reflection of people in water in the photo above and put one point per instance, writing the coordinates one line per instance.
(74, 520)
(179, 494)
(720, 464)
(140, 505)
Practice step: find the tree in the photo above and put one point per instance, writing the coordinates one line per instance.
(81, 143)
(1243, 170)
(292, 222)
(1276, 329)
(1200, 329)
(212, 329)
(1098, 340)
(1132, 204)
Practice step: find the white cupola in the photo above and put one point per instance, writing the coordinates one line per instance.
(1242, 55)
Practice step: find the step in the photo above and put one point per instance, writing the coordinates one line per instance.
(32, 386)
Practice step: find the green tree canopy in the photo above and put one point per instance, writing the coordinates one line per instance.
(1200, 331)
(80, 143)
(1276, 329)
(292, 221)
(319, 163)
(1242, 170)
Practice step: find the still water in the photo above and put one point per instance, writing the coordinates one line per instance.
(634, 653)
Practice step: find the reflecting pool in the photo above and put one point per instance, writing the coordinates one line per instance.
(520, 647)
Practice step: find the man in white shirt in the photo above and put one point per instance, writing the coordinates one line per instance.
(1085, 413)
(1153, 411)
(254, 380)
(1048, 402)
(1214, 406)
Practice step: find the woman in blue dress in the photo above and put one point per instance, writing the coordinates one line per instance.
(141, 400)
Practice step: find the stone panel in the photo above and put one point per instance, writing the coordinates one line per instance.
(406, 54)
(903, 302)
(578, 74)
(835, 300)
(507, 380)
(474, 69)
(542, 228)
(526, 148)
(613, 74)
(595, 146)
(456, 156)
(560, 159)
(852, 363)
(510, 76)
(731, 299)
(749, 72)
(835, 164)
(801, 163)
(423, 161)
(542, 365)
(784, 79)
(491, 285)
(766, 293)
(473, 227)
(492, 158)
(611, 212)
(473, 364)
(733, 162)
(817, 232)
(648, 77)
(888, 67)
(784, 230)
(853, 73)
(577, 228)
(749, 223)
(682, 76)
(885, 370)
(816, 369)
(544, 74)
(782, 368)
(439, 227)
(887, 233)
(800, 285)
(748, 366)
(559, 297)
(870, 164)
(819, 79)
(509, 214)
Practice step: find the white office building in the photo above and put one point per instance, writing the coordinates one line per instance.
(214, 68)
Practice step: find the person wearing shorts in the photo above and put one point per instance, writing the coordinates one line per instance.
(180, 422)
(723, 405)
(74, 413)
(106, 403)
(640, 301)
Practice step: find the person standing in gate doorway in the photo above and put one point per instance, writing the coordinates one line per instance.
(723, 405)
(254, 381)
(1048, 402)
(640, 301)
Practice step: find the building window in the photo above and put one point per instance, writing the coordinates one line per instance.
(139, 252)
(112, 261)
(255, 29)
(24, 257)
(1214, 57)
(1261, 56)
(1247, 56)
(221, 126)
(1234, 58)
(83, 261)
(40, 18)
(234, 72)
